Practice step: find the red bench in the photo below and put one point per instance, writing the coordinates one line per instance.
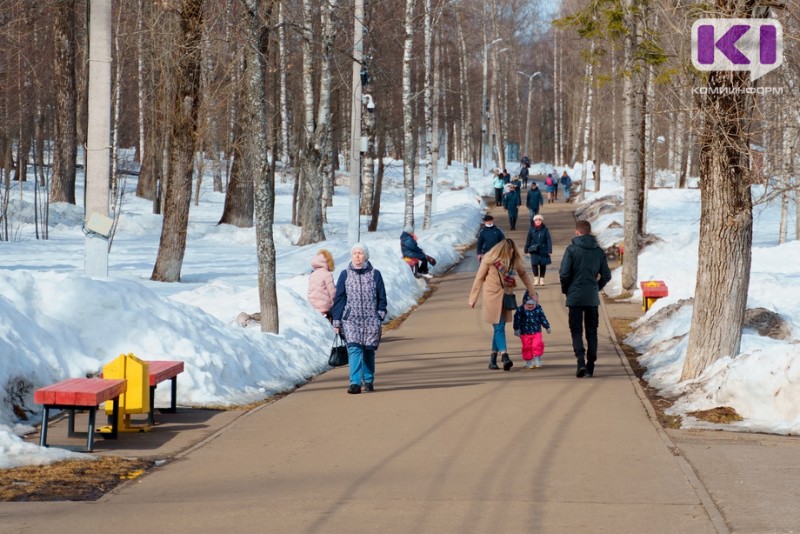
(161, 370)
(80, 394)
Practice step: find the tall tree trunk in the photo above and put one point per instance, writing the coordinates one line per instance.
(466, 109)
(283, 72)
(66, 148)
(310, 200)
(587, 127)
(184, 135)
(428, 111)
(409, 156)
(631, 163)
(255, 158)
(324, 117)
(726, 216)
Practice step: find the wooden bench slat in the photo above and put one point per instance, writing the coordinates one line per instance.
(80, 392)
(161, 370)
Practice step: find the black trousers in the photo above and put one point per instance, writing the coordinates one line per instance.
(538, 269)
(584, 318)
(498, 196)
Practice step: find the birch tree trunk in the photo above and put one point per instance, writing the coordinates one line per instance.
(428, 104)
(184, 133)
(282, 55)
(726, 216)
(588, 121)
(324, 127)
(466, 109)
(630, 171)
(614, 153)
(556, 102)
(436, 139)
(409, 156)
(255, 158)
(140, 84)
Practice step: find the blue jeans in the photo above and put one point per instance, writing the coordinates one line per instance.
(362, 365)
(566, 192)
(499, 337)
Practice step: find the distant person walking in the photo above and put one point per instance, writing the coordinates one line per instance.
(540, 246)
(550, 188)
(497, 276)
(529, 321)
(512, 202)
(358, 309)
(566, 183)
(533, 201)
(524, 174)
(584, 272)
(498, 184)
(321, 288)
(489, 236)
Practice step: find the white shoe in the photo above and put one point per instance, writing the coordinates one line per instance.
(541, 281)
(426, 276)
(536, 281)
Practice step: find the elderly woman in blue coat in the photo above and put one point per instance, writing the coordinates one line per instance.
(359, 308)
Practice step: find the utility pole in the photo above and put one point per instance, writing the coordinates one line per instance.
(97, 224)
(530, 77)
(485, 101)
(353, 227)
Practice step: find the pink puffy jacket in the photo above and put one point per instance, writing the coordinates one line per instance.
(321, 288)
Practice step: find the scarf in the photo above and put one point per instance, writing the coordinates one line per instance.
(507, 277)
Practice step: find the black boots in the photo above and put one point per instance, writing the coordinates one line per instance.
(493, 361)
(507, 363)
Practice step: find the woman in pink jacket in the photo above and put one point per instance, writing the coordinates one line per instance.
(321, 288)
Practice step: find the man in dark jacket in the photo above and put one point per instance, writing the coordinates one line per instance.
(512, 202)
(534, 201)
(489, 236)
(524, 174)
(584, 272)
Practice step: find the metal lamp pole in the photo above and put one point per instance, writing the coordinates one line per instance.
(530, 100)
(485, 102)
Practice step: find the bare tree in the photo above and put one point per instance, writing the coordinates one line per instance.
(409, 156)
(726, 214)
(183, 135)
(256, 158)
(65, 139)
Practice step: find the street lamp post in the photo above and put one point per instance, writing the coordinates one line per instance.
(528, 115)
(485, 101)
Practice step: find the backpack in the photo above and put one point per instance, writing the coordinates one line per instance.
(549, 181)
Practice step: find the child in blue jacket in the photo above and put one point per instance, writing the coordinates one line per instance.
(529, 319)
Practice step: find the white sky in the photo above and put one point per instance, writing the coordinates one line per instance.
(55, 323)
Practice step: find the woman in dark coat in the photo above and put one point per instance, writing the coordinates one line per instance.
(539, 245)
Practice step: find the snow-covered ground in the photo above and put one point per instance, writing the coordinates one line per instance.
(56, 323)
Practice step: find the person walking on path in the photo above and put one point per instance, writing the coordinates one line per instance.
(497, 276)
(511, 203)
(321, 288)
(498, 184)
(489, 236)
(529, 320)
(359, 308)
(534, 201)
(550, 188)
(539, 245)
(566, 183)
(584, 272)
(524, 174)
(410, 249)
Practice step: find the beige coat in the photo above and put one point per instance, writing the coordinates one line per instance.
(489, 278)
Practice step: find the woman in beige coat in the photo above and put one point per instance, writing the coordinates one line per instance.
(497, 274)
